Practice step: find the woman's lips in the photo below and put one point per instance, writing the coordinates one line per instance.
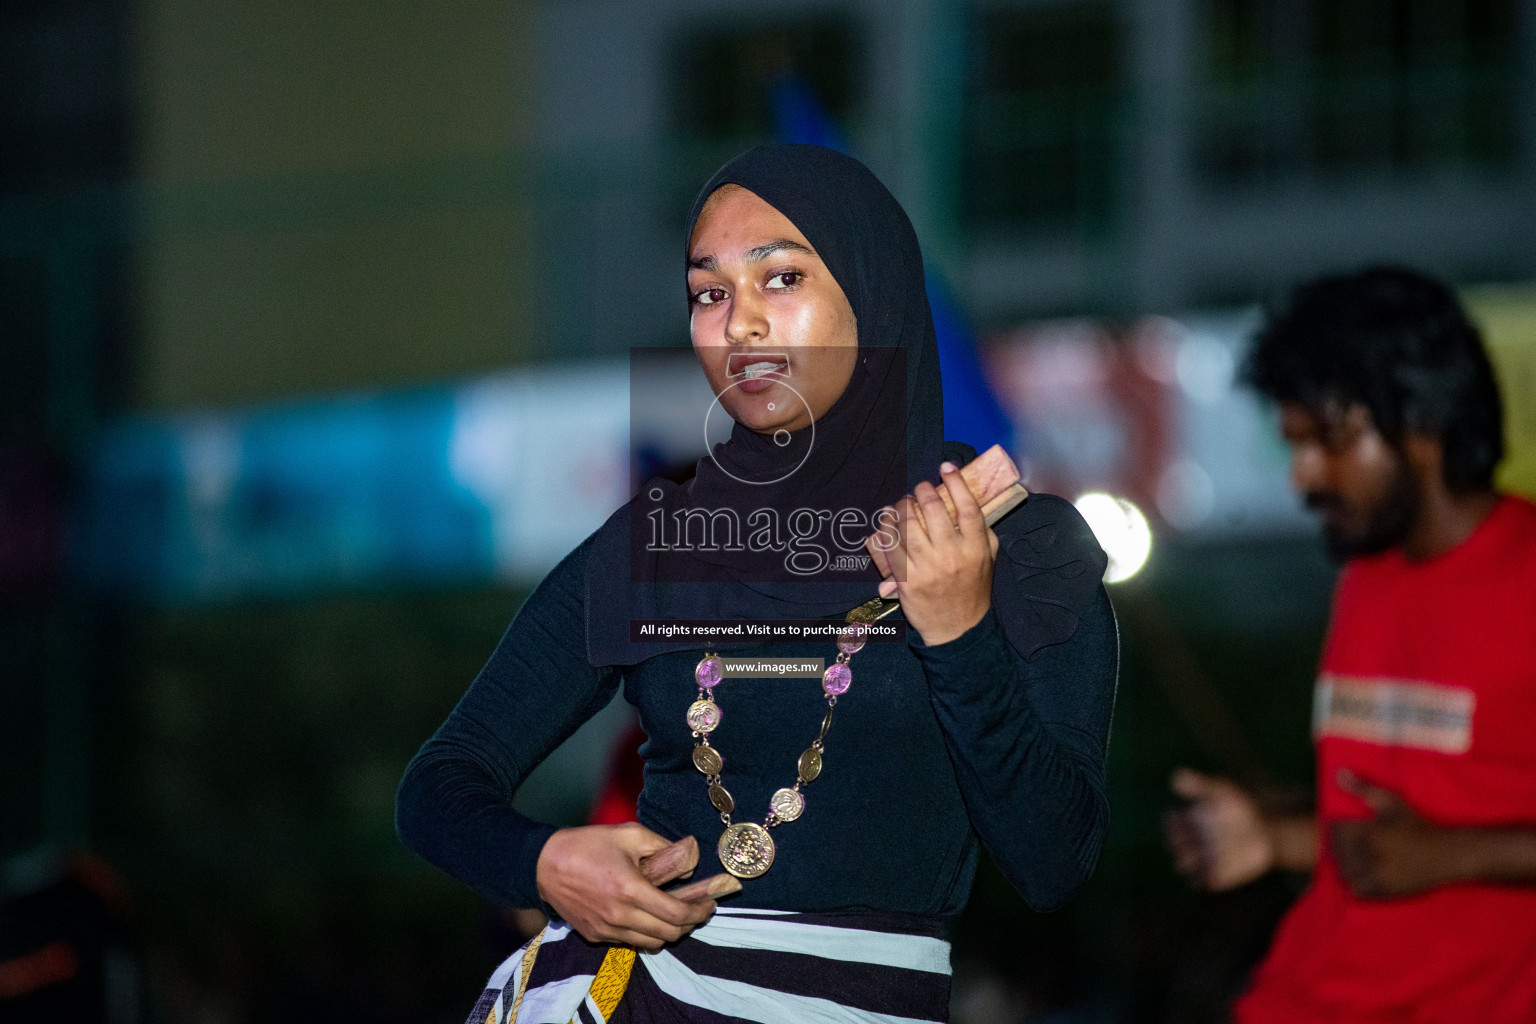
(755, 372)
(755, 384)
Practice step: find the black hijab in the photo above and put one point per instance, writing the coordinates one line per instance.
(881, 437)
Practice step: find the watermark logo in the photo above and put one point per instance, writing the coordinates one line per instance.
(812, 541)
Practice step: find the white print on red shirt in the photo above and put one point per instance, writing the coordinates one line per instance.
(1394, 712)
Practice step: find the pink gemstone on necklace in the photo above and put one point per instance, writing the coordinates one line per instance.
(709, 673)
(851, 638)
(836, 679)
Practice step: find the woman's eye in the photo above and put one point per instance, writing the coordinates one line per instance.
(788, 279)
(709, 296)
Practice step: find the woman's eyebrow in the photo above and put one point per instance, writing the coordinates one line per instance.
(754, 254)
(762, 252)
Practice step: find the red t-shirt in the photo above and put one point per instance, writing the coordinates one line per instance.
(1428, 687)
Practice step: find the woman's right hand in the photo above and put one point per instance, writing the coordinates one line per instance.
(593, 877)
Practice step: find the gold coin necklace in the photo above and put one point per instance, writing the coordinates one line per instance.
(746, 848)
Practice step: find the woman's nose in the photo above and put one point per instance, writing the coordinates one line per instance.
(748, 321)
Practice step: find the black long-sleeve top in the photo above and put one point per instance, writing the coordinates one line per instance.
(931, 748)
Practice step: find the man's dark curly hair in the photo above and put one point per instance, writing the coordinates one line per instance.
(1397, 342)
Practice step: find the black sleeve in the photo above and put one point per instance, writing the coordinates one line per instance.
(1028, 738)
(454, 805)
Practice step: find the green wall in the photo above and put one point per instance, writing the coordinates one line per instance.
(334, 196)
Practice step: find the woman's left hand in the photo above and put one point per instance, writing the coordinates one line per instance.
(939, 569)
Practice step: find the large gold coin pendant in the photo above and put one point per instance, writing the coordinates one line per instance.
(746, 850)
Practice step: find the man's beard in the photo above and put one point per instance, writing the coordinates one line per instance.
(1387, 525)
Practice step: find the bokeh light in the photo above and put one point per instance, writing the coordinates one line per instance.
(1122, 532)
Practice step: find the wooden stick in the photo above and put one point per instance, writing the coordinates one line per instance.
(711, 888)
(680, 858)
(994, 480)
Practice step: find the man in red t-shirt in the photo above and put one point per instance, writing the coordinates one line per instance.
(1422, 906)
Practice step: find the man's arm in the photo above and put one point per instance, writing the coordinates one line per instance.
(1295, 841)
(1225, 838)
(1498, 854)
(1398, 853)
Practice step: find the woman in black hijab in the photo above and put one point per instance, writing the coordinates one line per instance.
(990, 722)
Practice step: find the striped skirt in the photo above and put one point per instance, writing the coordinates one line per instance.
(742, 964)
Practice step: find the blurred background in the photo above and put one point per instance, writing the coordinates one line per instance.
(315, 335)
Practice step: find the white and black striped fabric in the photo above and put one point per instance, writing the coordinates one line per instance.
(742, 965)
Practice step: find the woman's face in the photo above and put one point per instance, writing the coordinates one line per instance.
(771, 326)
